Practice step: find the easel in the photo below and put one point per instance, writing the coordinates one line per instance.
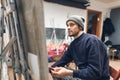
(9, 19)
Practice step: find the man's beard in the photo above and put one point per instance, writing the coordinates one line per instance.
(74, 34)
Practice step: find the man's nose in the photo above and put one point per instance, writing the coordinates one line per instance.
(68, 27)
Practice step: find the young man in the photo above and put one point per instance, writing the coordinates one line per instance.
(88, 53)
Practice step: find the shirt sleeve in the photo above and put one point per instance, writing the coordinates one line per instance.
(66, 58)
(93, 71)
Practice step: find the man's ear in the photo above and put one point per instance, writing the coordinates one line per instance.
(80, 28)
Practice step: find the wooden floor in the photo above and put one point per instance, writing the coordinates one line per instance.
(115, 64)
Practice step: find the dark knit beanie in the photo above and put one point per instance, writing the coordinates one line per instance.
(78, 19)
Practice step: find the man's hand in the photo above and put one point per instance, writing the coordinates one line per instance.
(61, 72)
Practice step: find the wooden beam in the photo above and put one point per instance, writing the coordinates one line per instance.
(69, 3)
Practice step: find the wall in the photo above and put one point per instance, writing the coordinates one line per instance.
(114, 4)
(56, 14)
(115, 17)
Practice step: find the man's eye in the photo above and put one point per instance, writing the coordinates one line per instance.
(72, 24)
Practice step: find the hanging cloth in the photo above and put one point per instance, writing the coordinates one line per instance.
(108, 28)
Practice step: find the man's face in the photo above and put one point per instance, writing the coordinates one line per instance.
(73, 28)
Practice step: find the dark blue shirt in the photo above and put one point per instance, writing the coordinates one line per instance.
(90, 55)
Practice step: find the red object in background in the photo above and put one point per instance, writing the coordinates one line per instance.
(51, 48)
